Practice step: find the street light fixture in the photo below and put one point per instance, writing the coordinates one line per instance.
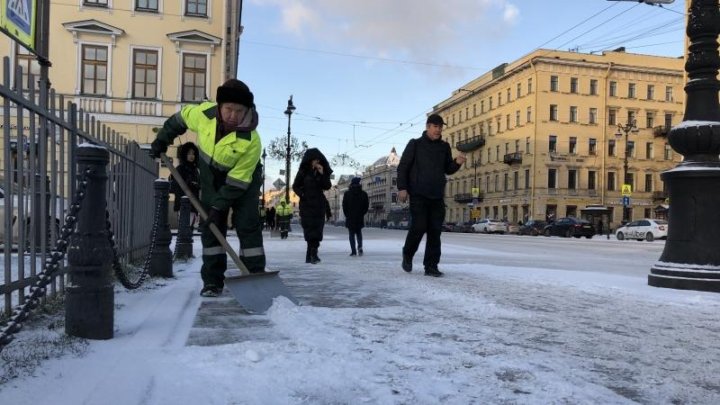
(626, 129)
(288, 111)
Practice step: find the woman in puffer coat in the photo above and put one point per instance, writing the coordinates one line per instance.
(187, 154)
(311, 180)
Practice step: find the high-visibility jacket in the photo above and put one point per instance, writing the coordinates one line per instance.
(283, 209)
(226, 167)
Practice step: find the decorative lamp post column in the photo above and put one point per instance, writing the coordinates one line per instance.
(626, 129)
(691, 258)
(288, 111)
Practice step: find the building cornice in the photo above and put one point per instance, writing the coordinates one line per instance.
(195, 37)
(93, 27)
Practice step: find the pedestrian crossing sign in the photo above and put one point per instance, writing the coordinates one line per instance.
(626, 190)
(17, 19)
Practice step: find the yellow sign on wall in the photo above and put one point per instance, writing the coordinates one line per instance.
(626, 190)
(17, 19)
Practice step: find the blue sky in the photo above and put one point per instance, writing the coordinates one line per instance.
(364, 74)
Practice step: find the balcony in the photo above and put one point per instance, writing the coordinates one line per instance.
(470, 144)
(512, 158)
(466, 197)
(659, 195)
(661, 131)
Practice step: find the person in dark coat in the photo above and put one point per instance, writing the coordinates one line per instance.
(187, 154)
(312, 178)
(270, 218)
(355, 205)
(421, 176)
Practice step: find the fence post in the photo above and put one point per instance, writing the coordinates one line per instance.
(184, 241)
(90, 299)
(161, 260)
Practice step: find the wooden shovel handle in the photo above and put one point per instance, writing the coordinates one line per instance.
(204, 216)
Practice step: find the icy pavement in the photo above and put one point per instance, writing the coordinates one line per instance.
(517, 320)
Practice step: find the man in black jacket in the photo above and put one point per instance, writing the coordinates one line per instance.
(355, 205)
(421, 176)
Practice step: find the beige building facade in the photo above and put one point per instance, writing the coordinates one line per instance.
(133, 63)
(545, 137)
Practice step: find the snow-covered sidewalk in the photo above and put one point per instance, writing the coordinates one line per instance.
(508, 324)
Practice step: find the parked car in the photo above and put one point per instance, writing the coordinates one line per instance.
(570, 226)
(488, 225)
(647, 229)
(465, 227)
(532, 227)
(448, 226)
(512, 228)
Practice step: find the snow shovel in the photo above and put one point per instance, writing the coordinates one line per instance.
(254, 291)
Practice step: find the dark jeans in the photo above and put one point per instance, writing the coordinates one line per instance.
(355, 233)
(426, 217)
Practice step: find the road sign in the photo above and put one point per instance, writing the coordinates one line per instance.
(626, 201)
(626, 190)
(278, 184)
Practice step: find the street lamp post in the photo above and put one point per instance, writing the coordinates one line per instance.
(288, 111)
(262, 198)
(626, 129)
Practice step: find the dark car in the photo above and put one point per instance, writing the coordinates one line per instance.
(532, 227)
(570, 226)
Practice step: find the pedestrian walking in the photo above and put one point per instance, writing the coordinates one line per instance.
(187, 168)
(283, 214)
(230, 175)
(311, 180)
(355, 205)
(270, 218)
(421, 177)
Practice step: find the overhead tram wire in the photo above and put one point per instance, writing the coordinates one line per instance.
(626, 30)
(637, 34)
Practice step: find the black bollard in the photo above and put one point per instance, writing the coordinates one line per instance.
(184, 241)
(161, 260)
(89, 296)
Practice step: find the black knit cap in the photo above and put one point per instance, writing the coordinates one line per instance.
(435, 119)
(235, 91)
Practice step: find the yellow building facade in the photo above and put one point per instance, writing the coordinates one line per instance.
(544, 137)
(133, 63)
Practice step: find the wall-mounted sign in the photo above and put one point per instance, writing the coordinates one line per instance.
(17, 19)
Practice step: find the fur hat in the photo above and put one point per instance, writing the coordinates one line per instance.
(235, 91)
(355, 181)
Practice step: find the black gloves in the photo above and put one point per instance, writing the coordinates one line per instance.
(215, 216)
(157, 147)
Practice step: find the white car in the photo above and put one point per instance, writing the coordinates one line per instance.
(488, 225)
(647, 229)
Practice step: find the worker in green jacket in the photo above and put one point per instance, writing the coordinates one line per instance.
(230, 175)
(284, 214)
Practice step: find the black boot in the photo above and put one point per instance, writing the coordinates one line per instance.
(308, 255)
(314, 259)
(407, 263)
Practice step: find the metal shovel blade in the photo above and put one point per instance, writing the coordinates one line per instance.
(256, 291)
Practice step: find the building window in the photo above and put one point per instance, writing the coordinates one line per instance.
(573, 145)
(146, 5)
(668, 152)
(28, 66)
(552, 144)
(613, 89)
(508, 94)
(497, 183)
(668, 120)
(591, 179)
(474, 110)
(94, 69)
(196, 8)
(518, 93)
(553, 83)
(573, 85)
(516, 180)
(631, 90)
(668, 93)
(499, 99)
(649, 119)
(611, 147)
(506, 181)
(649, 151)
(648, 182)
(553, 112)
(528, 116)
(527, 179)
(611, 181)
(527, 144)
(96, 3)
(552, 178)
(507, 121)
(593, 87)
(630, 180)
(517, 118)
(530, 85)
(497, 153)
(592, 116)
(631, 148)
(145, 68)
(592, 146)
(573, 114)
(482, 106)
(517, 145)
(612, 117)
(631, 117)
(572, 179)
(498, 124)
(650, 92)
(194, 73)
(490, 104)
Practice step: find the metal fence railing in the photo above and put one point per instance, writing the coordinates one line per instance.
(38, 178)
